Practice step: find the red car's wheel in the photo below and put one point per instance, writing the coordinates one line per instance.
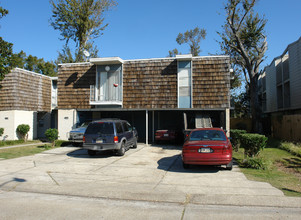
(229, 165)
(185, 165)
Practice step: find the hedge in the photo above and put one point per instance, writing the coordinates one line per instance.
(52, 135)
(236, 136)
(253, 143)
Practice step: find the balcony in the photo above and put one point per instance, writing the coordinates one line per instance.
(106, 95)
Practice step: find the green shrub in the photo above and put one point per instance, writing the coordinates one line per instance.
(253, 143)
(52, 135)
(23, 130)
(292, 148)
(257, 163)
(1, 131)
(236, 136)
(61, 143)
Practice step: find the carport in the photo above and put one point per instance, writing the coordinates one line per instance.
(147, 121)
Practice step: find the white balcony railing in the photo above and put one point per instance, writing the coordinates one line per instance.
(109, 95)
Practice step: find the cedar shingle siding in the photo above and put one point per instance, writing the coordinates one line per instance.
(74, 85)
(150, 84)
(24, 90)
(211, 83)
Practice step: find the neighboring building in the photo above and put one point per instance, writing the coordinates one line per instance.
(281, 93)
(162, 93)
(26, 98)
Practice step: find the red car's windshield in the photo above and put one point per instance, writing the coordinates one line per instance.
(208, 135)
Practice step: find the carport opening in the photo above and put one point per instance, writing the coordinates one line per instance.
(157, 120)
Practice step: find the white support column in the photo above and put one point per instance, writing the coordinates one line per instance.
(228, 121)
(66, 122)
(146, 127)
(153, 126)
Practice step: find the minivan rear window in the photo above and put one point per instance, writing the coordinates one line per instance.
(100, 127)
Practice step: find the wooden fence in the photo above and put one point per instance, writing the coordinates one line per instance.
(286, 127)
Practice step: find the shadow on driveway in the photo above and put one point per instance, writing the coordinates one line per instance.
(167, 146)
(15, 179)
(174, 164)
(82, 153)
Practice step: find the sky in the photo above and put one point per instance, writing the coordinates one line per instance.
(140, 29)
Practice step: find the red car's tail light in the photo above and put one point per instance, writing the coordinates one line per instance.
(226, 149)
(116, 139)
(84, 139)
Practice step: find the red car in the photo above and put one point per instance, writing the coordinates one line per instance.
(207, 146)
(165, 135)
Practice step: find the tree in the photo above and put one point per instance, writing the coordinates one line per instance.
(6, 51)
(244, 39)
(66, 56)
(23, 130)
(241, 105)
(193, 38)
(18, 59)
(81, 21)
(32, 63)
(5, 57)
(3, 12)
(173, 53)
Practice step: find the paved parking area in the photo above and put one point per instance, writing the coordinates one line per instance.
(150, 176)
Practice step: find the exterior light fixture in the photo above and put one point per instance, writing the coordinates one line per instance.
(107, 68)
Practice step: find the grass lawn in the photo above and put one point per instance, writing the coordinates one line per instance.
(283, 172)
(23, 151)
(26, 150)
(18, 142)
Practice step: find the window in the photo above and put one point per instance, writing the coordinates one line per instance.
(119, 129)
(285, 64)
(184, 84)
(108, 83)
(280, 96)
(130, 127)
(100, 128)
(264, 102)
(283, 83)
(279, 73)
(125, 127)
(287, 96)
(210, 135)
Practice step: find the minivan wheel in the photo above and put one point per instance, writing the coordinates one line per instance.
(121, 151)
(135, 145)
(91, 152)
(229, 165)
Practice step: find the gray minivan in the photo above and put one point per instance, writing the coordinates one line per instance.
(109, 134)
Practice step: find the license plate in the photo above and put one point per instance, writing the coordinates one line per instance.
(204, 150)
(165, 135)
(99, 141)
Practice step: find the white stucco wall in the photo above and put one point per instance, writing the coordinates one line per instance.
(66, 122)
(9, 120)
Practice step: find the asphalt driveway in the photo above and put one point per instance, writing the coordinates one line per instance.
(151, 174)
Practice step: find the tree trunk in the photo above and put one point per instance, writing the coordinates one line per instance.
(254, 104)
